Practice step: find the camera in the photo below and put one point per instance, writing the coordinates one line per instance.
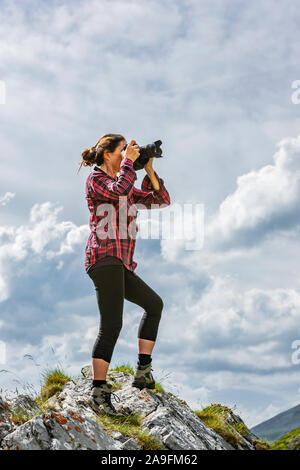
(146, 152)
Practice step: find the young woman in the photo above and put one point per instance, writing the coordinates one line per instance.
(109, 256)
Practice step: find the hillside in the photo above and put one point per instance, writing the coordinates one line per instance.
(279, 425)
(290, 441)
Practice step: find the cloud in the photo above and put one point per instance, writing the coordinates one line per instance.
(264, 202)
(6, 198)
(226, 328)
(42, 238)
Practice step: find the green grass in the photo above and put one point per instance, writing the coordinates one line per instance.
(129, 426)
(122, 368)
(241, 428)
(262, 445)
(214, 416)
(282, 442)
(54, 382)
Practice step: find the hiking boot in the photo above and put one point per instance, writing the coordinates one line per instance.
(100, 400)
(143, 377)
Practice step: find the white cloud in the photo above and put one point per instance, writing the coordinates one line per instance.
(6, 198)
(264, 201)
(43, 237)
(245, 329)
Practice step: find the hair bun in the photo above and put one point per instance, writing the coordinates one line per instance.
(88, 157)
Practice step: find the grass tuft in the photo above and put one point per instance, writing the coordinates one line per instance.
(130, 426)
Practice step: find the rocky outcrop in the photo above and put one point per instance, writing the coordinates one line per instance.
(294, 443)
(73, 424)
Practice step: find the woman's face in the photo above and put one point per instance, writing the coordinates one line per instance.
(116, 157)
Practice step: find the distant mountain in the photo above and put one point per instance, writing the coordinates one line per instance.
(279, 425)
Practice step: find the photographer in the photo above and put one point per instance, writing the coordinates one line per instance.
(109, 261)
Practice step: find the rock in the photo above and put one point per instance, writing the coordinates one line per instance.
(23, 403)
(128, 444)
(294, 443)
(6, 423)
(87, 372)
(247, 437)
(60, 431)
(73, 425)
(179, 428)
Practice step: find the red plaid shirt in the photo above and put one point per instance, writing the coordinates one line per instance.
(102, 188)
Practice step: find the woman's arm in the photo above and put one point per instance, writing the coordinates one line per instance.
(153, 179)
(153, 191)
(112, 190)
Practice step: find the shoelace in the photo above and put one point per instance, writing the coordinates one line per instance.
(108, 398)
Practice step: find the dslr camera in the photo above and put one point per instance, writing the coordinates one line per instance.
(146, 152)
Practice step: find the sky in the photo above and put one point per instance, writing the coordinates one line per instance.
(214, 81)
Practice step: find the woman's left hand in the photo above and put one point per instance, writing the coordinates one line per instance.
(148, 167)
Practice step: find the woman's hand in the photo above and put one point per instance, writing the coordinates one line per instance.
(148, 167)
(132, 151)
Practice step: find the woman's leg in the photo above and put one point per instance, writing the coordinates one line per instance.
(138, 292)
(110, 287)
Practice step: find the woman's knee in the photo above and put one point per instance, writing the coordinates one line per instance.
(157, 305)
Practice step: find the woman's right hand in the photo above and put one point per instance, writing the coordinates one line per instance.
(132, 151)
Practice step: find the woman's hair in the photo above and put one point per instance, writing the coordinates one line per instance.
(95, 154)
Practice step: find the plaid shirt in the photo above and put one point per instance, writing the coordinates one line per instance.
(102, 188)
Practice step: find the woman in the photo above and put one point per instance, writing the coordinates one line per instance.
(109, 256)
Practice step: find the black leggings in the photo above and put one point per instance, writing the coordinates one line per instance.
(113, 283)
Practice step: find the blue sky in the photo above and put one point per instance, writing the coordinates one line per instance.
(213, 81)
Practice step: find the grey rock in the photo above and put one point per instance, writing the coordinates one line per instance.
(6, 423)
(128, 444)
(294, 443)
(23, 403)
(60, 431)
(247, 438)
(74, 426)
